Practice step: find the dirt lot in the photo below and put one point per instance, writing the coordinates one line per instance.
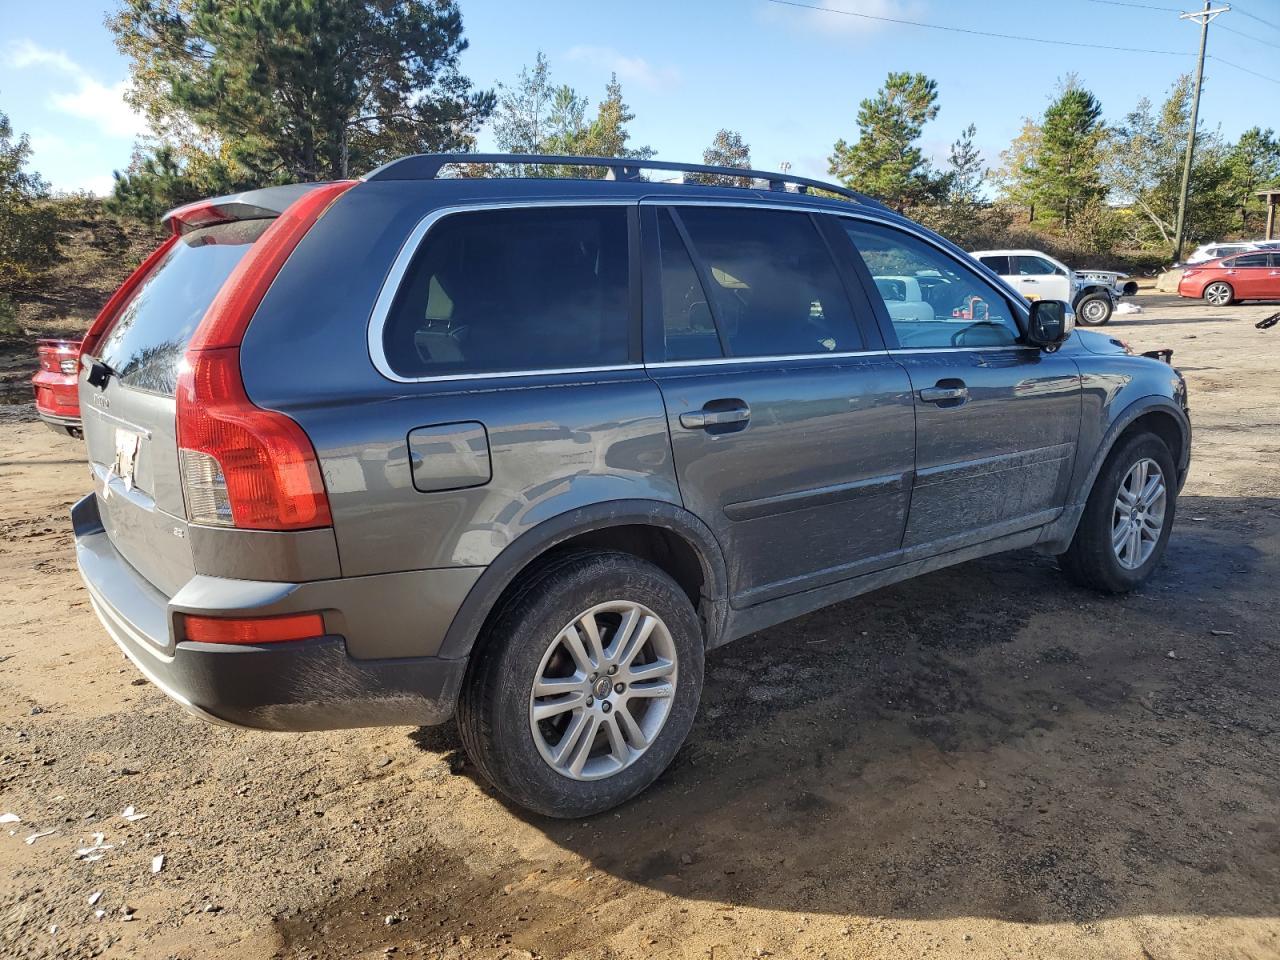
(986, 762)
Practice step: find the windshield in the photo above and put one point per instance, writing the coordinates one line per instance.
(150, 335)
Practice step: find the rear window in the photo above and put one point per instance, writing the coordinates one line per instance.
(496, 291)
(147, 340)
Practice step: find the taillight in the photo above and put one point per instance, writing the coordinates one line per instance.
(57, 356)
(294, 626)
(243, 466)
(1189, 272)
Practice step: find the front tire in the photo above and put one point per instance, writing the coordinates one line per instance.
(1219, 294)
(1127, 520)
(585, 686)
(1094, 310)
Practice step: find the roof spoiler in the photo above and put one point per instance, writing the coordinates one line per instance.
(264, 204)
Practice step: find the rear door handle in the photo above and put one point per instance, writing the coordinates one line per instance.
(710, 416)
(944, 394)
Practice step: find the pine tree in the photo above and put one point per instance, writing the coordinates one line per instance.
(966, 172)
(886, 161)
(1065, 172)
(305, 89)
(727, 149)
(1254, 161)
(29, 235)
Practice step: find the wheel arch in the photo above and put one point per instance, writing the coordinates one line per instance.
(666, 535)
(1154, 414)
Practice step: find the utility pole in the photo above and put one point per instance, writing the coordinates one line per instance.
(1204, 18)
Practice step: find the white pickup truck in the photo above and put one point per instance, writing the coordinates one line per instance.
(1038, 276)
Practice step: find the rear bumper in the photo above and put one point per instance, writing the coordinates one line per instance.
(300, 685)
(57, 401)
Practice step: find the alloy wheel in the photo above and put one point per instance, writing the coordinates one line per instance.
(603, 690)
(1138, 517)
(1218, 294)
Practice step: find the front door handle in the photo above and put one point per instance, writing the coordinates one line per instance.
(714, 415)
(945, 394)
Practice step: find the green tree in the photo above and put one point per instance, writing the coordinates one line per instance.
(966, 173)
(1143, 166)
(727, 149)
(166, 177)
(1010, 178)
(29, 229)
(886, 161)
(536, 116)
(305, 89)
(1064, 173)
(1254, 162)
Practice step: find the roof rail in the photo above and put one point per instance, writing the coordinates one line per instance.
(427, 166)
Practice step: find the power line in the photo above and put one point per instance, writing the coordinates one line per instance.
(1140, 6)
(977, 33)
(1260, 76)
(1246, 13)
(1241, 33)
(1020, 39)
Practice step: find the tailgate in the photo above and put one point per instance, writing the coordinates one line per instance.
(128, 407)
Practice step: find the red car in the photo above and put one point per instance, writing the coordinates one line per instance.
(1245, 276)
(55, 384)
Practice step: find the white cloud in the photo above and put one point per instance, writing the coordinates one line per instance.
(88, 98)
(635, 70)
(829, 22)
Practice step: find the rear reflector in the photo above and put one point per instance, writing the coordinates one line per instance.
(249, 630)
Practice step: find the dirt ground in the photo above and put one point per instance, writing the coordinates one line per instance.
(985, 762)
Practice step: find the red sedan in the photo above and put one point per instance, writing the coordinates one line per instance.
(55, 384)
(1246, 276)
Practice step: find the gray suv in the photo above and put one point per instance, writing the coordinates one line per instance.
(523, 449)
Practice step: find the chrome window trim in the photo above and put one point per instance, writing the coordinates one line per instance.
(409, 249)
(783, 358)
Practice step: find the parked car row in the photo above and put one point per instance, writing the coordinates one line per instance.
(1216, 251)
(1246, 276)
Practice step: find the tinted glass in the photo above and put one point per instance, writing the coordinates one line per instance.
(933, 299)
(1035, 267)
(150, 335)
(508, 290)
(688, 330)
(772, 284)
(1249, 260)
(998, 265)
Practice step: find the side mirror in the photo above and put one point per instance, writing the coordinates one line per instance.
(1051, 324)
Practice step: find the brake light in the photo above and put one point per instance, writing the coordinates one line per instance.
(1189, 272)
(193, 216)
(295, 626)
(243, 466)
(57, 356)
(109, 312)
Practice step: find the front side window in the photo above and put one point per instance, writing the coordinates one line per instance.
(999, 265)
(933, 300)
(757, 283)
(494, 291)
(1035, 267)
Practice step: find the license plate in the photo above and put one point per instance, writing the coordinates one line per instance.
(127, 443)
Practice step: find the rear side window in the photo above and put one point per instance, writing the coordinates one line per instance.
(149, 337)
(1249, 260)
(493, 291)
(763, 280)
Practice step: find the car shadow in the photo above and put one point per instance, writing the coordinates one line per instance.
(988, 740)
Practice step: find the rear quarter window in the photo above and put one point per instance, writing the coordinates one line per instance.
(146, 341)
(497, 291)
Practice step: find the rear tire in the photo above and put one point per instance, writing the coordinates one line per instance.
(541, 686)
(1124, 530)
(1094, 310)
(1219, 294)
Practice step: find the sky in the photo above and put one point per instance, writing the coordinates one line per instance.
(787, 77)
